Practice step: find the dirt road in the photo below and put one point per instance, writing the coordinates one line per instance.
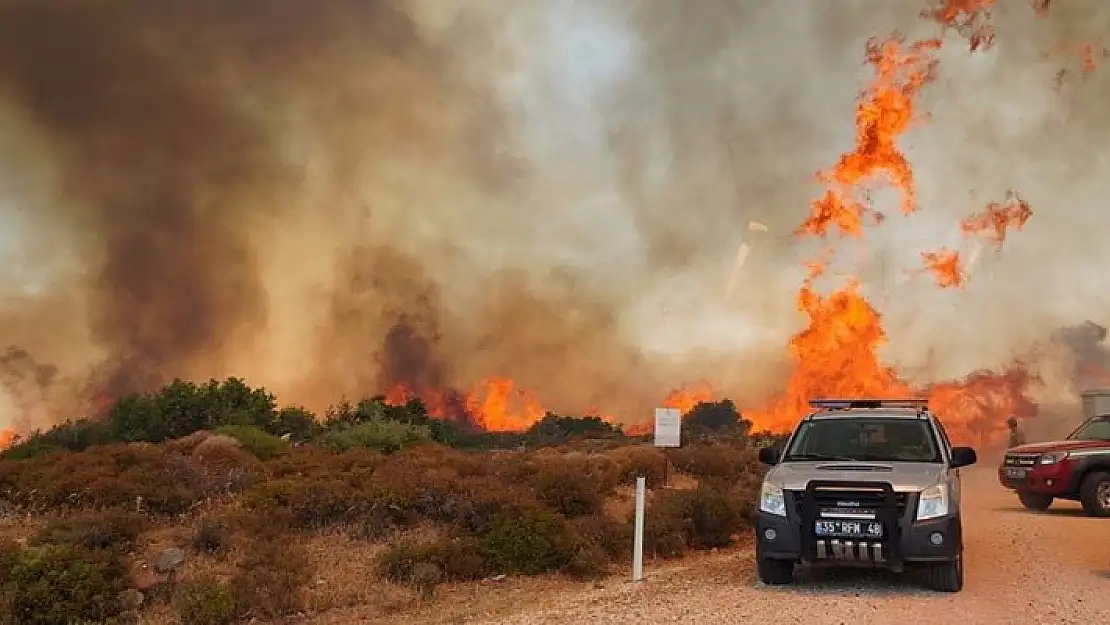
(1052, 567)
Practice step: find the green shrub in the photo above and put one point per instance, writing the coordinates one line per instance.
(270, 579)
(528, 540)
(566, 486)
(378, 435)
(33, 447)
(204, 602)
(715, 517)
(715, 460)
(640, 460)
(69, 436)
(425, 565)
(613, 537)
(61, 585)
(667, 523)
(264, 446)
(309, 504)
(298, 422)
(113, 530)
(703, 518)
(211, 538)
(181, 408)
(114, 476)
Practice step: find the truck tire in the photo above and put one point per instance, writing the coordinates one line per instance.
(946, 576)
(1094, 494)
(775, 572)
(1035, 501)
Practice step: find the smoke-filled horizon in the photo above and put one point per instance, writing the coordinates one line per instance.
(327, 198)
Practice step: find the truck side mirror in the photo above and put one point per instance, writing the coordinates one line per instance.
(769, 456)
(963, 457)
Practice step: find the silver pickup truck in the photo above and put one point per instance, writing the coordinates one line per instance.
(871, 483)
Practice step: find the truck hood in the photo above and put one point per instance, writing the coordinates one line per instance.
(902, 476)
(1066, 445)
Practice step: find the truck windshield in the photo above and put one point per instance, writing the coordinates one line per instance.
(872, 439)
(1096, 429)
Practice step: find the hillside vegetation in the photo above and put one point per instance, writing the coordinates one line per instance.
(207, 504)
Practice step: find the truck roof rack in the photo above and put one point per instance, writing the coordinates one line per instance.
(845, 404)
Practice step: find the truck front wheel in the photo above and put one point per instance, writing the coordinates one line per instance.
(1035, 501)
(1094, 494)
(946, 576)
(775, 572)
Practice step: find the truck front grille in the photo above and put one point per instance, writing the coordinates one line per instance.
(838, 520)
(827, 498)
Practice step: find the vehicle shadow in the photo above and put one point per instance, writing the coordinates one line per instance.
(1051, 512)
(852, 581)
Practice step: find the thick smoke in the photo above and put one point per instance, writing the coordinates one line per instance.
(331, 197)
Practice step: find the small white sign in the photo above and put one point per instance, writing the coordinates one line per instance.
(668, 427)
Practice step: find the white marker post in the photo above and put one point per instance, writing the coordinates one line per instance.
(638, 541)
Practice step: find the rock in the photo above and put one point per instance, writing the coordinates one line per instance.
(169, 560)
(131, 599)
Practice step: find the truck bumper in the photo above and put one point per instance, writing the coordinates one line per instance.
(935, 540)
(1054, 479)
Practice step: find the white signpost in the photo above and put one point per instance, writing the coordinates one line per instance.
(668, 433)
(668, 427)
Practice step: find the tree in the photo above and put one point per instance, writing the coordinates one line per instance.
(181, 408)
(715, 419)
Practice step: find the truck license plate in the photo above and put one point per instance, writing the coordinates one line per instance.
(1016, 472)
(849, 529)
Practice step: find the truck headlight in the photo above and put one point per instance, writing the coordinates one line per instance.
(1052, 457)
(772, 500)
(932, 503)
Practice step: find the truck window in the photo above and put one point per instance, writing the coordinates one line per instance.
(874, 439)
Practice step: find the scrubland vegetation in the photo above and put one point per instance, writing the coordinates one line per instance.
(209, 505)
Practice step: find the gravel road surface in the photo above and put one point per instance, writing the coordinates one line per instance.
(1021, 567)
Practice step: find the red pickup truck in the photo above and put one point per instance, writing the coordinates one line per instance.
(1076, 469)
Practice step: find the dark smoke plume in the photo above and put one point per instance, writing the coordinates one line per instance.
(1090, 355)
(152, 118)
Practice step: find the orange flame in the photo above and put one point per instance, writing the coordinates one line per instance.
(686, 398)
(970, 18)
(945, 267)
(886, 110)
(499, 405)
(836, 354)
(998, 217)
(7, 439)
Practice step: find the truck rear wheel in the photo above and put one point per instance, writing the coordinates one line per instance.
(1094, 494)
(775, 572)
(1035, 501)
(946, 576)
